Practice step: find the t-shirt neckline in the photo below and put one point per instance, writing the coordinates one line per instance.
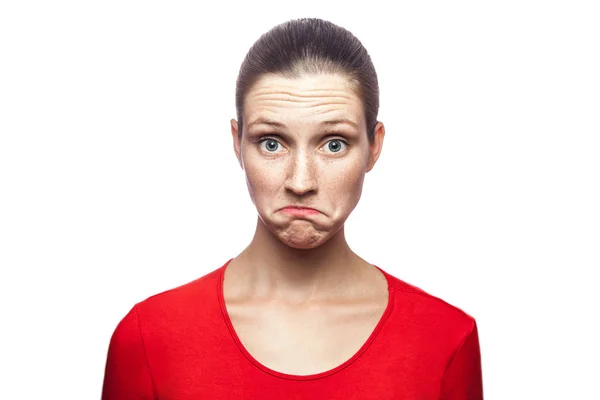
(246, 353)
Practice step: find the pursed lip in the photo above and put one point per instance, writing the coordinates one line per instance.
(293, 207)
(299, 207)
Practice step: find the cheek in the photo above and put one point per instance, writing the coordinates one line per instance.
(347, 181)
(262, 177)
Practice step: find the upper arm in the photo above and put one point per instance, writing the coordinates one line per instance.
(463, 378)
(127, 374)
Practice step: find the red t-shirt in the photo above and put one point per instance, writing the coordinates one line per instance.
(180, 345)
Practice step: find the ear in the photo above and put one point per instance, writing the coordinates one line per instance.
(236, 141)
(376, 146)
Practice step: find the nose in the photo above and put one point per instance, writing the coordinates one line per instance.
(301, 177)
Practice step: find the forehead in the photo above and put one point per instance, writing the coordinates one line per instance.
(310, 99)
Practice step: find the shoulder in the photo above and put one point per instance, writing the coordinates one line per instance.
(191, 298)
(427, 313)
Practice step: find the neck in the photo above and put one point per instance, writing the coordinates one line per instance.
(270, 269)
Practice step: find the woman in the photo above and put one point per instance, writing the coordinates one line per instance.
(297, 314)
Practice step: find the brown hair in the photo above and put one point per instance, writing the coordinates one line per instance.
(310, 46)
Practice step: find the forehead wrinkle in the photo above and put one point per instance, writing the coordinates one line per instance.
(275, 88)
(282, 104)
(338, 117)
(286, 89)
(342, 112)
(289, 96)
(317, 109)
(278, 99)
(305, 86)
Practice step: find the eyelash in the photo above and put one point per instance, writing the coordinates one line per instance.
(265, 138)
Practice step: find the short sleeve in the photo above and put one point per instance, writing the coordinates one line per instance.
(127, 374)
(463, 379)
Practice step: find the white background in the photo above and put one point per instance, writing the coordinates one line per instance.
(118, 178)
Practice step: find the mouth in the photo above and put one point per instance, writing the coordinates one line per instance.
(300, 211)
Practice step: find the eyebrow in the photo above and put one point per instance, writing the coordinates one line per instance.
(266, 121)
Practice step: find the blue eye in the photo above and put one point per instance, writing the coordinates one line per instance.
(272, 144)
(336, 147)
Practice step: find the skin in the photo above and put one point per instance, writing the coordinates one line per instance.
(298, 283)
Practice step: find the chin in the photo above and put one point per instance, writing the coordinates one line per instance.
(303, 241)
(300, 234)
(304, 234)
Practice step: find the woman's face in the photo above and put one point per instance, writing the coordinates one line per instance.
(304, 143)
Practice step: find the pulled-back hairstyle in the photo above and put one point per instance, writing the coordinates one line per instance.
(308, 46)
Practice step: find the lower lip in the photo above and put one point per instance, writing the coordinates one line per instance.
(300, 211)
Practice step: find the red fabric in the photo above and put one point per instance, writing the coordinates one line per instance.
(180, 345)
